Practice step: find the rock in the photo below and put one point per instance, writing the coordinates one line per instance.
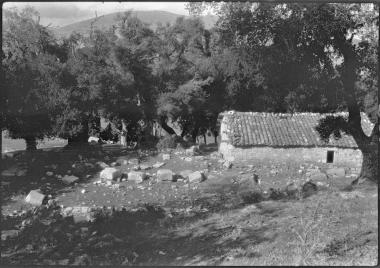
(291, 189)
(6, 234)
(113, 164)
(49, 173)
(188, 159)
(102, 164)
(123, 162)
(93, 139)
(165, 175)
(10, 172)
(227, 164)
(110, 173)
(196, 176)
(165, 157)
(69, 179)
(35, 198)
(83, 191)
(158, 165)
(350, 195)
(309, 188)
(199, 158)
(318, 176)
(133, 161)
(191, 151)
(136, 176)
(336, 172)
(79, 213)
(185, 173)
(135, 168)
(145, 167)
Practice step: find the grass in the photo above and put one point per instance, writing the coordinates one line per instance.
(209, 225)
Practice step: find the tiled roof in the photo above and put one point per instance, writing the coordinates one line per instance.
(283, 130)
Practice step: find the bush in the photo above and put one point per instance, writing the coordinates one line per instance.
(169, 142)
(109, 134)
(251, 197)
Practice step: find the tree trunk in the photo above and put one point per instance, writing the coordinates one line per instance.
(194, 134)
(370, 164)
(215, 133)
(124, 132)
(204, 138)
(31, 144)
(80, 138)
(168, 129)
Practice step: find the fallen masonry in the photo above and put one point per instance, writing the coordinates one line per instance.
(69, 179)
(110, 173)
(137, 176)
(165, 175)
(35, 197)
(165, 157)
(158, 165)
(196, 176)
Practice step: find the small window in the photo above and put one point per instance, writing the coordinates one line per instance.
(330, 156)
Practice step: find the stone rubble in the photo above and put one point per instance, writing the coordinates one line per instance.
(110, 173)
(35, 197)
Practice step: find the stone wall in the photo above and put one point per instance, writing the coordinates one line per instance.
(350, 158)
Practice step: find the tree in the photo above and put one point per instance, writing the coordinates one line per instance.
(30, 68)
(307, 57)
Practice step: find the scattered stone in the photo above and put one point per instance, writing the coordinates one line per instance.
(135, 168)
(58, 176)
(7, 234)
(196, 176)
(145, 167)
(13, 171)
(165, 175)
(69, 179)
(318, 176)
(350, 195)
(336, 172)
(49, 173)
(35, 198)
(93, 139)
(79, 213)
(108, 183)
(102, 164)
(113, 164)
(136, 176)
(227, 164)
(133, 161)
(83, 191)
(110, 173)
(199, 158)
(185, 173)
(192, 150)
(309, 188)
(158, 165)
(165, 157)
(188, 159)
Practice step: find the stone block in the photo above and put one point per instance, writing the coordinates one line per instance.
(102, 164)
(35, 198)
(133, 161)
(318, 176)
(145, 167)
(165, 175)
(67, 179)
(165, 157)
(185, 173)
(136, 176)
(110, 173)
(336, 172)
(196, 176)
(158, 165)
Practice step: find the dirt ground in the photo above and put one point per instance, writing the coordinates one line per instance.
(176, 223)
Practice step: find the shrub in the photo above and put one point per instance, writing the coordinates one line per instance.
(251, 197)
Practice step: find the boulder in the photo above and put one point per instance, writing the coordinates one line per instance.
(309, 188)
(145, 167)
(136, 176)
(336, 172)
(35, 198)
(110, 173)
(93, 139)
(188, 159)
(6, 234)
(318, 176)
(69, 179)
(102, 164)
(79, 213)
(196, 176)
(165, 175)
(185, 173)
(133, 161)
(165, 157)
(158, 165)
(227, 164)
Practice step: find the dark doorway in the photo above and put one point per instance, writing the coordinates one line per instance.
(330, 156)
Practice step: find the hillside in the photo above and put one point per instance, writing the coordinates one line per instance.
(150, 17)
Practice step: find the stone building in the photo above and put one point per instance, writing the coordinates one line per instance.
(271, 137)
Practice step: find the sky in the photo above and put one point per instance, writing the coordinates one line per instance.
(63, 13)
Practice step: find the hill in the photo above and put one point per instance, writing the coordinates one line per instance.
(152, 18)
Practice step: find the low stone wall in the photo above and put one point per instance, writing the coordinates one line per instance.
(349, 158)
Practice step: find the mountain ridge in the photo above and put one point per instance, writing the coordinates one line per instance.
(153, 18)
